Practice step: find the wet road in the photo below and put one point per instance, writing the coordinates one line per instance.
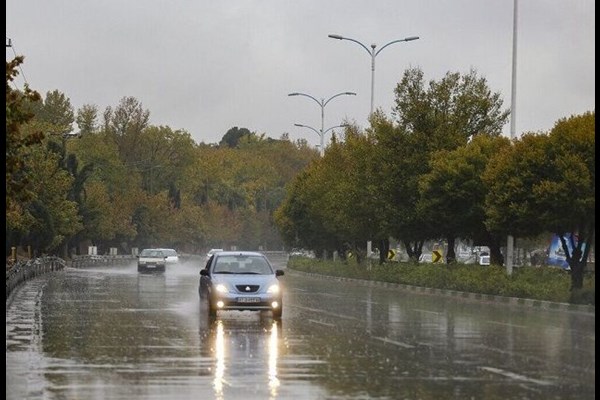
(111, 333)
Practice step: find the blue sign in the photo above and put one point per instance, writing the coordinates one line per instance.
(556, 253)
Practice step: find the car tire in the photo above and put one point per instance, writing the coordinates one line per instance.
(278, 312)
(212, 310)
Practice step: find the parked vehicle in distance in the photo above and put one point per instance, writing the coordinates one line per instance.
(241, 280)
(211, 252)
(171, 256)
(484, 259)
(151, 260)
(426, 258)
(302, 253)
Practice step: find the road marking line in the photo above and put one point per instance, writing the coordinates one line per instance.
(516, 376)
(387, 340)
(321, 323)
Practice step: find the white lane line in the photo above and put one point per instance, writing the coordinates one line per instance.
(321, 323)
(427, 311)
(387, 340)
(513, 375)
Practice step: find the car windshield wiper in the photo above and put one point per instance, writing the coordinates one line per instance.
(249, 273)
(224, 272)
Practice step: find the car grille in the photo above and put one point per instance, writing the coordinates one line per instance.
(247, 288)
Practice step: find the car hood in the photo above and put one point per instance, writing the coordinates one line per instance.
(244, 279)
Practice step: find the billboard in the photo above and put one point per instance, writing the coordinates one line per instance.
(556, 254)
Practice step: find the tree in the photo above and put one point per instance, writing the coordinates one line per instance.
(18, 113)
(87, 119)
(55, 113)
(452, 194)
(233, 136)
(125, 125)
(51, 217)
(546, 182)
(443, 116)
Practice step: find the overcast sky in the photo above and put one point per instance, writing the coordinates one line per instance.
(206, 66)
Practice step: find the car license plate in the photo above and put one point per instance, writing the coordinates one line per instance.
(150, 266)
(248, 299)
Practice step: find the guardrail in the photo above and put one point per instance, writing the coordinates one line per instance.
(22, 271)
(94, 261)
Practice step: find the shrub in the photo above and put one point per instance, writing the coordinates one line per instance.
(546, 283)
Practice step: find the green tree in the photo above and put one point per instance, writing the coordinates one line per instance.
(87, 119)
(55, 113)
(233, 136)
(299, 219)
(51, 216)
(125, 126)
(442, 116)
(452, 194)
(546, 182)
(109, 194)
(18, 113)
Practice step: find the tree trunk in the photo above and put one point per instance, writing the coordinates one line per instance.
(450, 253)
(384, 248)
(414, 249)
(576, 274)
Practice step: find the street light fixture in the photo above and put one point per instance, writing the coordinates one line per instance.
(322, 103)
(373, 54)
(322, 149)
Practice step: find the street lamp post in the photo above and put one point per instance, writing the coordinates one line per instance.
(322, 103)
(373, 54)
(510, 241)
(321, 133)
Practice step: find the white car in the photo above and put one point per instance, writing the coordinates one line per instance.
(484, 259)
(151, 260)
(211, 252)
(171, 256)
(426, 258)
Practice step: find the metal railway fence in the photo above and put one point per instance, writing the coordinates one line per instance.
(23, 270)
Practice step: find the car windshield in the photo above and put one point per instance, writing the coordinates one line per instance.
(151, 253)
(242, 265)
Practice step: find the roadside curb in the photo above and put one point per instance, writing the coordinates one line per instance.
(517, 301)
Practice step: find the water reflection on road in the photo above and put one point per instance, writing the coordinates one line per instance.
(112, 333)
(245, 354)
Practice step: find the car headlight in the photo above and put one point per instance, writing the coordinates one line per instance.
(273, 289)
(221, 288)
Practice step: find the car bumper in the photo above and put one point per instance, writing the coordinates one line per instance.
(151, 267)
(235, 301)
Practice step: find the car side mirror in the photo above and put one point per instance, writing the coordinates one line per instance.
(278, 272)
(204, 272)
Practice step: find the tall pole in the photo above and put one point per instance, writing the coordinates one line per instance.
(322, 103)
(513, 97)
(372, 78)
(322, 142)
(373, 55)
